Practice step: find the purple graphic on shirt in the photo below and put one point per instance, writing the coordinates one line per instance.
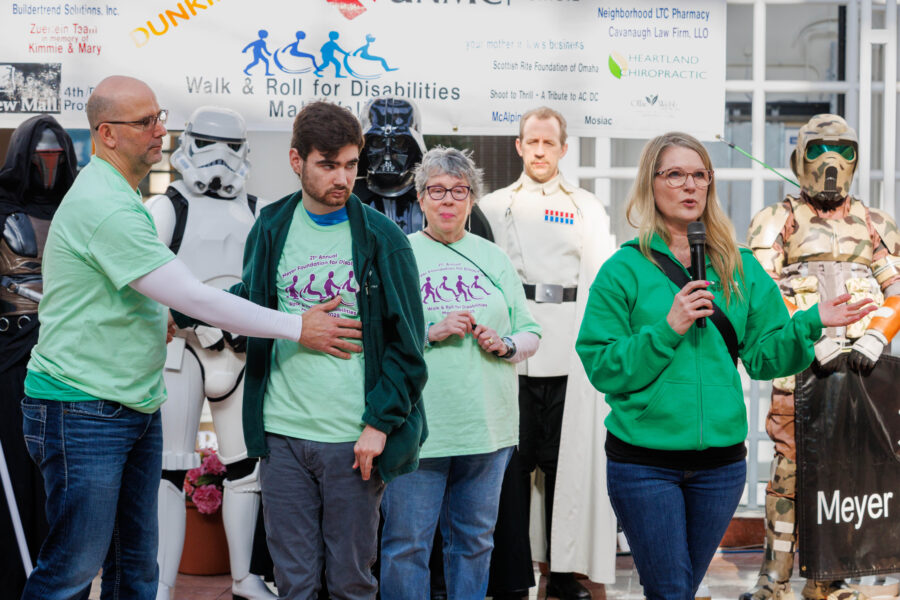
(477, 286)
(445, 287)
(430, 292)
(292, 289)
(308, 290)
(463, 289)
(331, 288)
(348, 285)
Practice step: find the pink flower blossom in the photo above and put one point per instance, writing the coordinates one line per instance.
(207, 498)
(212, 465)
(188, 488)
(194, 474)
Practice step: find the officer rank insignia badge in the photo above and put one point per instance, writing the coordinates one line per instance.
(558, 216)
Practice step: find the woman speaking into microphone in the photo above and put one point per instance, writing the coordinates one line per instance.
(677, 423)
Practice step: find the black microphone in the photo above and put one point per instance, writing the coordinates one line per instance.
(696, 235)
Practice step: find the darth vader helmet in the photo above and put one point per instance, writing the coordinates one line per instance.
(394, 145)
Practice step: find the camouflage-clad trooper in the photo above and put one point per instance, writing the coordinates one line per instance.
(816, 246)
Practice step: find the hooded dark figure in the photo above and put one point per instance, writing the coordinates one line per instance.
(394, 146)
(39, 169)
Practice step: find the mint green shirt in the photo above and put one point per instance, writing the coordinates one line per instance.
(471, 397)
(312, 395)
(98, 335)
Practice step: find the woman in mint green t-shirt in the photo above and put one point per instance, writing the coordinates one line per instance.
(478, 326)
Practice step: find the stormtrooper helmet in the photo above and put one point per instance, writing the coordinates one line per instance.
(212, 152)
(825, 158)
(394, 145)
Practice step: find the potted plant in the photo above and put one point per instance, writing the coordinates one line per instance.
(205, 546)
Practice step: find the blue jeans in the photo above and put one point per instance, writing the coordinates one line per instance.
(101, 464)
(463, 492)
(674, 521)
(320, 513)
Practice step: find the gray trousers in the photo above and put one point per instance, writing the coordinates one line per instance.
(318, 510)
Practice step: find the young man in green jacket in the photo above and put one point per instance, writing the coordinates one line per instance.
(316, 413)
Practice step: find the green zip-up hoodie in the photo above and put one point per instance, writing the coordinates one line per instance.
(682, 392)
(393, 328)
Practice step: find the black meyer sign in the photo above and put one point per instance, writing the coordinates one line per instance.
(848, 487)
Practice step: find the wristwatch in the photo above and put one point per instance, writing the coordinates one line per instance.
(509, 344)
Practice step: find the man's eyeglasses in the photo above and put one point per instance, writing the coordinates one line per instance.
(144, 124)
(675, 177)
(814, 151)
(457, 192)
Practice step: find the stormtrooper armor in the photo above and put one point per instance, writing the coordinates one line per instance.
(818, 245)
(205, 218)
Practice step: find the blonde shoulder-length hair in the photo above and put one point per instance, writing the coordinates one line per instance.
(641, 211)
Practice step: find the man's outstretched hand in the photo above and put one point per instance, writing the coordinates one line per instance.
(326, 334)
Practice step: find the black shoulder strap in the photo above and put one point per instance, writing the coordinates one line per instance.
(251, 202)
(181, 211)
(677, 275)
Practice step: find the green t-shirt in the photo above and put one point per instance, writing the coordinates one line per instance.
(98, 335)
(471, 397)
(312, 395)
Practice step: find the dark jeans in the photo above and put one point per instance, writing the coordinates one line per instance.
(541, 403)
(101, 464)
(319, 512)
(674, 521)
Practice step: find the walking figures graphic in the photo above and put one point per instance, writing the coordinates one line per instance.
(430, 292)
(315, 291)
(463, 291)
(328, 49)
(308, 291)
(293, 59)
(477, 286)
(293, 49)
(363, 52)
(259, 51)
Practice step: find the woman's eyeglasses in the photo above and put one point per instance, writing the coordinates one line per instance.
(457, 192)
(144, 124)
(676, 177)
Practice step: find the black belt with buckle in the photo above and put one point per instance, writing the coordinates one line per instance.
(548, 292)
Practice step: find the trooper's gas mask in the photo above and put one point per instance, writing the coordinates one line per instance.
(825, 158)
(212, 152)
(394, 145)
(47, 159)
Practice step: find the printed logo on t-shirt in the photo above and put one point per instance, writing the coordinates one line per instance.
(319, 280)
(454, 286)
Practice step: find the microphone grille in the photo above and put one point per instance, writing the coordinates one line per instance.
(696, 232)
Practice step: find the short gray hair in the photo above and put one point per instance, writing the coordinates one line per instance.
(449, 161)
